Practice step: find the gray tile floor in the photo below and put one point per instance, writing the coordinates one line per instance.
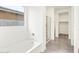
(59, 45)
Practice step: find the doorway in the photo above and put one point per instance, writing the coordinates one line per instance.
(63, 24)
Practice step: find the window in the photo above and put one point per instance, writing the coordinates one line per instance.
(11, 16)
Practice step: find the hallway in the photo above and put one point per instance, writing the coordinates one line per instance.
(59, 45)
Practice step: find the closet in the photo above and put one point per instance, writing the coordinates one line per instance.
(63, 23)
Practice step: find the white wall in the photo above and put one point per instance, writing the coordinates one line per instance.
(63, 27)
(50, 14)
(56, 23)
(12, 38)
(35, 19)
(36, 22)
(76, 28)
(71, 26)
(48, 28)
(64, 16)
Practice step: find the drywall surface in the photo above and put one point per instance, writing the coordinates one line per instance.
(10, 36)
(76, 29)
(36, 20)
(71, 30)
(15, 38)
(63, 28)
(48, 28)
(50, 14)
